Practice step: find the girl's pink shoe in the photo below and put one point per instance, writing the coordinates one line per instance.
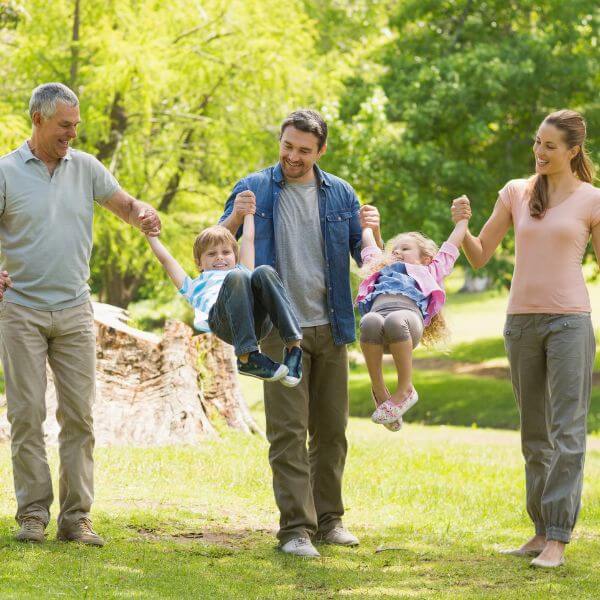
(388, 412)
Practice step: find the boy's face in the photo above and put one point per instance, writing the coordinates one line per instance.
(219, 257)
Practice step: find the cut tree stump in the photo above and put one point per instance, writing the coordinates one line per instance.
(154, 391)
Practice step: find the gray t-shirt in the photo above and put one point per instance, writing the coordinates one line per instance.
(46, 226)
(300, 253)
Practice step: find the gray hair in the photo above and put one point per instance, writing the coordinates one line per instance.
(45, 97)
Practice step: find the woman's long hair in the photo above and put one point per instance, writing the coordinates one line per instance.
(572, 124)
(437, 330)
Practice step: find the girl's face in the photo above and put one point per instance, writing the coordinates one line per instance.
(552, 155)
(406, 250)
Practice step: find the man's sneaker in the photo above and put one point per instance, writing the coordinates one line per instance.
(81, 531)
(339, 536)
(292, 359)
(32, 530)
(300, 546)
(262, 367)
(388, 411)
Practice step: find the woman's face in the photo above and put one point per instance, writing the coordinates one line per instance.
(552, 155)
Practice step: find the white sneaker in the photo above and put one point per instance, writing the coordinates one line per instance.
(300, 546)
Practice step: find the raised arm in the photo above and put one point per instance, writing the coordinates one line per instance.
(480, 249)
(242, 202)
(134, 212)
(247, 245)
(368, 238)
(458, 233)
(171, 266)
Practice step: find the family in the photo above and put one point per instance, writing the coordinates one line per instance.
(282, 299)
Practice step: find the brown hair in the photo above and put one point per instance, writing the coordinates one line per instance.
(573, 126)
(437, 330)
(211, 236)
(309, 121)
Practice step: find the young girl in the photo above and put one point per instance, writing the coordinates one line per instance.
(237, 302)
(400, 303)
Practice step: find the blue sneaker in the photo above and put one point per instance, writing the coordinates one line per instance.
(292, 359)
(262, 367)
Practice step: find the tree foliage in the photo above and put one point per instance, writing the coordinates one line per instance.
(465, 87)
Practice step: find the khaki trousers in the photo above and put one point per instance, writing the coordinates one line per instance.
(551, 361)
(65, 338)
(307, 481)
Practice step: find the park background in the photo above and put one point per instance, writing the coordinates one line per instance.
(425, 100)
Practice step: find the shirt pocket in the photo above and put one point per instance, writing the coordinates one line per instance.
(338, 227)
(263, 223)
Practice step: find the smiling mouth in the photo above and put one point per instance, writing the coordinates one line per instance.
(540, 162)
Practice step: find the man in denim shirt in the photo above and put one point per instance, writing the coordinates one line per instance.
(308, 223)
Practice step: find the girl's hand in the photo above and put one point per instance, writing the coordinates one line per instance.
(461, 209)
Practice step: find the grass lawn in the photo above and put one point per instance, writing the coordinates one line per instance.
(199, 522)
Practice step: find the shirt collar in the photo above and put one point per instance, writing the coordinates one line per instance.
(27, 154)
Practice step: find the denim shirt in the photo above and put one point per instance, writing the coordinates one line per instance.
(340, 225)
(394, 279)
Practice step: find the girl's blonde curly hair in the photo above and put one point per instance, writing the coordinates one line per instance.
(437, 330)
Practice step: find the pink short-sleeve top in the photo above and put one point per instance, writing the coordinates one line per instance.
(549, 251)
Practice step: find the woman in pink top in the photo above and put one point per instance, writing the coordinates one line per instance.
(549, 336)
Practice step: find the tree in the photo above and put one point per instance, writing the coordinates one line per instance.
(466, 85)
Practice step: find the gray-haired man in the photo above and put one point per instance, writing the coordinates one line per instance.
(47, 194)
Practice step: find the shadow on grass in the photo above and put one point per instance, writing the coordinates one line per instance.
(424, 564)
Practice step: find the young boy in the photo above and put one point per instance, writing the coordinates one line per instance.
(237, 302)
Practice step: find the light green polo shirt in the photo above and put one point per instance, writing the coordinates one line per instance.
(46, 226)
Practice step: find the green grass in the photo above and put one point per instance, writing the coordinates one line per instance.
(199, 522)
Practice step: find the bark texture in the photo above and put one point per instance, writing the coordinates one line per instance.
(153, 391)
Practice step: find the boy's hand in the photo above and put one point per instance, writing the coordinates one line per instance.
(461, 209)
(244, 204)
(5, 282)
(149, 221)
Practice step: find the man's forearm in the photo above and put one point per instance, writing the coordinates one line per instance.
(232, 222)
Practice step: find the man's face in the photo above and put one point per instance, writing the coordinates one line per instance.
(298, 152)
(55, 134)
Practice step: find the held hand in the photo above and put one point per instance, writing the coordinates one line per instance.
(461, 209)
(369, 217)
(149, 221)
(5, 282)
(244, 204)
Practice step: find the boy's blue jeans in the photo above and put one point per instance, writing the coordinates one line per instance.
(247, 305)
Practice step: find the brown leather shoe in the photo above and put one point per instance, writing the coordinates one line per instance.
(32, 530)
(81, 531)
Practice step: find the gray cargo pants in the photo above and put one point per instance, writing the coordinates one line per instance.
(551, 359)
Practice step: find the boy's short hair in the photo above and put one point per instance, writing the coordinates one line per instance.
(211, 236)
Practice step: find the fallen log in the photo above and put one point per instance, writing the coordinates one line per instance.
(154, 391)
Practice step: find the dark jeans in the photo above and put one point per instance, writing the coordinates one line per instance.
(246, 306)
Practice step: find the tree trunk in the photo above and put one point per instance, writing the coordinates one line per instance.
(153, 391)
